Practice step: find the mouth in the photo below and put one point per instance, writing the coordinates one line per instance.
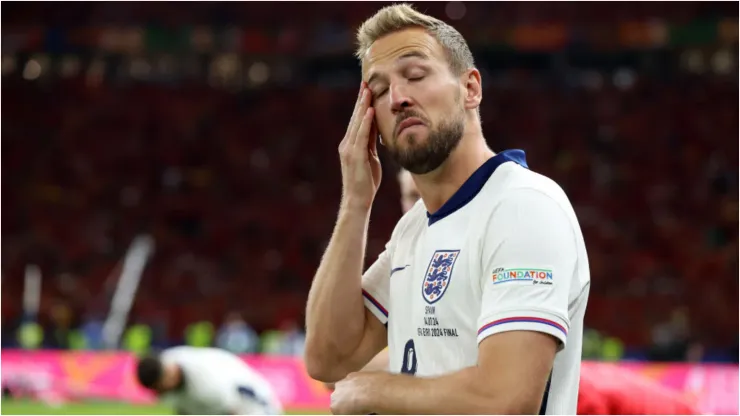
(409, 122)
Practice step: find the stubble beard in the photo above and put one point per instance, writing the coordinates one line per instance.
(424, 158)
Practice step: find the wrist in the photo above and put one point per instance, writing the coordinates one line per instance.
(355, 206)
(373, 391)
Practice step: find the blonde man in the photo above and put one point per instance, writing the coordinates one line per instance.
(481, 292)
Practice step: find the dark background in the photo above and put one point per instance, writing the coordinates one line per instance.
(213, 127)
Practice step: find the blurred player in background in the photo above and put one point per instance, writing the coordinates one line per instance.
(409, 193)
(207, 381)
(482, 288)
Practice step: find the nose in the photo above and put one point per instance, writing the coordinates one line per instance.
(400, 100)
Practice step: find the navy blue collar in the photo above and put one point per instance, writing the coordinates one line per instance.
(475, 183)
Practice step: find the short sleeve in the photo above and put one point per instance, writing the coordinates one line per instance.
(376, 286)
(529, 257)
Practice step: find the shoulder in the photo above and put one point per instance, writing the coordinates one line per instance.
(521, 191)
(511, 178)
(177, 353)
(411, 221)
(225, 361)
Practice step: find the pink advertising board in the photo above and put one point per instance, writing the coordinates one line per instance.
(110, 375)
(104, 375)
(713, 387)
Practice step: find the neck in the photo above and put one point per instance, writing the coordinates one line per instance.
(438, 186)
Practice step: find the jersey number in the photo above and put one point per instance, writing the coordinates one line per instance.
(409, 358)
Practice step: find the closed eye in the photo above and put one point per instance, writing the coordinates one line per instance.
(411, 79)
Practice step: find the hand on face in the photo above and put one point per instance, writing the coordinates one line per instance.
(358, 153)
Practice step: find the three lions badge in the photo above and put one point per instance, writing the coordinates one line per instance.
(438, 275)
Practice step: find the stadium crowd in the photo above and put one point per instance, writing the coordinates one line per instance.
(239, 191)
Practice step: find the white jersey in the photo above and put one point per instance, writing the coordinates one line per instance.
(217, 382)
(504, 253)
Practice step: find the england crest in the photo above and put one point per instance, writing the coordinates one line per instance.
(438, 275)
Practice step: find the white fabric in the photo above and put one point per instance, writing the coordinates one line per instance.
(512, 258)
(219, 382)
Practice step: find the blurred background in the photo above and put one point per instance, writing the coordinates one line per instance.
(212, 128)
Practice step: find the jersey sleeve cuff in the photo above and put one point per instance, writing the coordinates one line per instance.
(525, 321)
(375, 307)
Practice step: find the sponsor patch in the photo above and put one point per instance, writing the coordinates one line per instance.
(522, 275)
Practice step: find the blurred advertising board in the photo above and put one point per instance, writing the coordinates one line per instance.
(110, 376)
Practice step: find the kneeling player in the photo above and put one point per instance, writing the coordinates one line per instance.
(207, 381)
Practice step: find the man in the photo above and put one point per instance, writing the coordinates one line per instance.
(604, 389)
(207, 381)
(484, 282)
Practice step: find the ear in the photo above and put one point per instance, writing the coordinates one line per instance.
(473, 89)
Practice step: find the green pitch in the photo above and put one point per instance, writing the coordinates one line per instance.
(26, 407)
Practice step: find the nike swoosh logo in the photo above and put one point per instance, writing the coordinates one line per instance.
(398, 269)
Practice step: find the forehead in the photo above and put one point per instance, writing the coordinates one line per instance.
(389, 48)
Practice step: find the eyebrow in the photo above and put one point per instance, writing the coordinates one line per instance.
(407, 55)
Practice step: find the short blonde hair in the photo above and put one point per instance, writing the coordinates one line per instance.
(398, 17)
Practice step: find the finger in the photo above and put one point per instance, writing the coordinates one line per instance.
(361, 111)
(356, 109)
(363, 132)
(373, 139)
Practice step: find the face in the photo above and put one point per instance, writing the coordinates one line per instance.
(409, 193)
(171, 378)
(420, 105)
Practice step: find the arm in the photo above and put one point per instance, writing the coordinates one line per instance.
(378, 363)
(341, 336)
(484, 389)
(336, 301)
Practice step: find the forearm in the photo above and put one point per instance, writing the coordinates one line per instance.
(378, 363)
(462, 392)
(335, 298)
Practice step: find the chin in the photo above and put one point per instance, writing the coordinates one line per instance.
(412, 140)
